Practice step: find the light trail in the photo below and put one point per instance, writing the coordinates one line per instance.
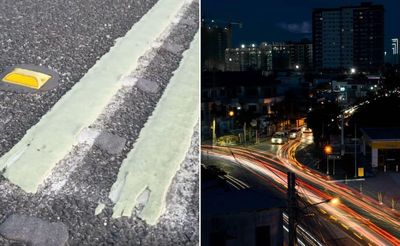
(316, 188)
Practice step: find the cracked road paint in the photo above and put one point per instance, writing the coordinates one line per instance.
(154, 160)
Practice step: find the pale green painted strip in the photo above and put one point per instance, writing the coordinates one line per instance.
(162, 143)
(30, 161)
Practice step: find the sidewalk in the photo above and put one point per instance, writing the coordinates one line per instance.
(386, 184)
(381, 185)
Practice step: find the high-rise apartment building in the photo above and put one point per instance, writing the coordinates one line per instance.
(269, 57)
(349, 36)
(214, 40)
(249, 58)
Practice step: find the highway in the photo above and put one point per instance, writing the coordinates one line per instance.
(367, 221)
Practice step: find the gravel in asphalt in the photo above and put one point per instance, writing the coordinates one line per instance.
(65, 36)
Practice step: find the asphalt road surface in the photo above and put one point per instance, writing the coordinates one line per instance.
(69, 37)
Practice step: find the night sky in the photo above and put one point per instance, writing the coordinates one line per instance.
(283, 20)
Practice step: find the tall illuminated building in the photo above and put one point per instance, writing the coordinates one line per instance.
(214, 40)
(349, 36)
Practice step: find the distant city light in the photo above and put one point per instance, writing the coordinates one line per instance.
(352, 70)
(342, 88)
(243, 46)
(231, 113)
(230, 59)
(253, 45)
(297, 66)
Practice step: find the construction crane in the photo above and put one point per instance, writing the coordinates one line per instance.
(229, 24)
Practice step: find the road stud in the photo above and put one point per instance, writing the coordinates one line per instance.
(26, 78)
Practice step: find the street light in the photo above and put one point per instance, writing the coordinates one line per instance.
(231, 113)
(353, 70)
(333, 201)
(328, 150)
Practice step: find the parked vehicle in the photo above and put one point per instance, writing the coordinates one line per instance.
(228, 140)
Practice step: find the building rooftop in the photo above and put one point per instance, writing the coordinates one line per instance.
(382, 133)
(220, 201)
(361, 5)
(219, 197)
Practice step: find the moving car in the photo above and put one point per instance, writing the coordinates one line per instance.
(307, 130)
(293, 134)
(279, 138)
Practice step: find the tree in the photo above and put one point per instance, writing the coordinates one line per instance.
(320, 121)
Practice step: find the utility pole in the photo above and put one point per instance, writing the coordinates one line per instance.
(327, 164)
(342, 147)
(214, 136)
(292, 207)
(334, 166)
(355, 150)
(244, 133)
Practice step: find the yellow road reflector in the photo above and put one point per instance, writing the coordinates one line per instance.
(345, 226)
(333, 218)
(27, 78)
(322, 211)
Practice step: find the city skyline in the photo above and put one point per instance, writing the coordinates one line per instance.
(286, 20)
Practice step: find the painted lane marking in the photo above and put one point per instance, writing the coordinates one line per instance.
(31, 160)
(162, 143)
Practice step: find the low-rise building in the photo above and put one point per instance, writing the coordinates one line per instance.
(243, 93)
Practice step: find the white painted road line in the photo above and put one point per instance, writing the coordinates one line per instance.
(31, 160)
(162, 143)
(237, 181)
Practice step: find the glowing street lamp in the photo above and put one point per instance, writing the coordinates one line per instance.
(333, 201)
(353, 70)
(297, 67)
(231, 113)
(328, 150)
